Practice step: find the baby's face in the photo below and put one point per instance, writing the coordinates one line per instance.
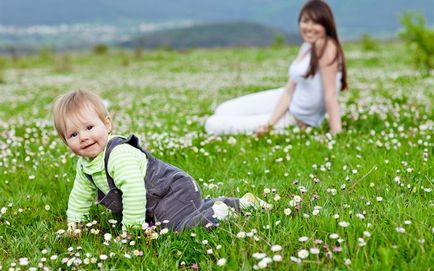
(86, 134)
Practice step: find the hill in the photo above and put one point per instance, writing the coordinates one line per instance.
(213, 35)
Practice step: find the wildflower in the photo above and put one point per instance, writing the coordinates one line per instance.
(103, 257)
(276, 197)
(297, 198)
(276, 248)
(367, 234)
(347, 262)
(361, 216)
(3, 210)
(107, 237)
(241, 234)
(47, 207)
(204, 242)
(337, 249)
(400, 230)
(314, 250)
(362, 242)
(343, 224)
(335, 216)
(315, 212)
(164, 231)
(137, 252)
(232, 140)
(221, 262)
(277, 258)
(287, 211)
(60, 232)
(267, 260)
(302, 254)
(262, 264)
(209, 251)
(23, 261)
(303, 239)
(258, 255)
(295, 259)
(334, 236)
(379, 199)
(407, 222)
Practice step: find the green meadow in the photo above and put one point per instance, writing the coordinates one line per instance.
(362, 200)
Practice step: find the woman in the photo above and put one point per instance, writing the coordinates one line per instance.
(316, 76)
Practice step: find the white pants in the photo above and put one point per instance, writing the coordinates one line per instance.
(246, 113)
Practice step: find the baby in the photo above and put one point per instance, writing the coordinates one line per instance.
(128, 180)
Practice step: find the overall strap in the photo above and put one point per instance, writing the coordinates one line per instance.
(100, 193)
(132, 140)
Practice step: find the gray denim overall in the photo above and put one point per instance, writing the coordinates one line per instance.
(171, 194)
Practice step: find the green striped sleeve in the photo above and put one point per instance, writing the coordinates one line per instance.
(81, 197)
(127, 166)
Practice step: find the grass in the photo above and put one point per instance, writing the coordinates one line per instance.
(372, 184)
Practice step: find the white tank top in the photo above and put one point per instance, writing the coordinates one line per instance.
(307, 104)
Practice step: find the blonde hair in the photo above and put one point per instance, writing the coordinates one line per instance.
(71, 105)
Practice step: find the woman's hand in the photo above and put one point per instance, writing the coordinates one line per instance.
(263, 129)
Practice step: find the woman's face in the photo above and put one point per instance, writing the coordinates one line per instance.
(311, 31)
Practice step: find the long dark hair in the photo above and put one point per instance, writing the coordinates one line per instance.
(321, 13)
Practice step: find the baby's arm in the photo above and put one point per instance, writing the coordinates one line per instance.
(127, 166)
(80, 199)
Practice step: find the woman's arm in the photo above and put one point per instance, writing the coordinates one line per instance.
(328, 72)
(280, 109)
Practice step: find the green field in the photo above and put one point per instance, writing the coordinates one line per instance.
(362, 200)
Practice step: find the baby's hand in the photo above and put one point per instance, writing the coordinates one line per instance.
(72, 230)
(124, 235)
